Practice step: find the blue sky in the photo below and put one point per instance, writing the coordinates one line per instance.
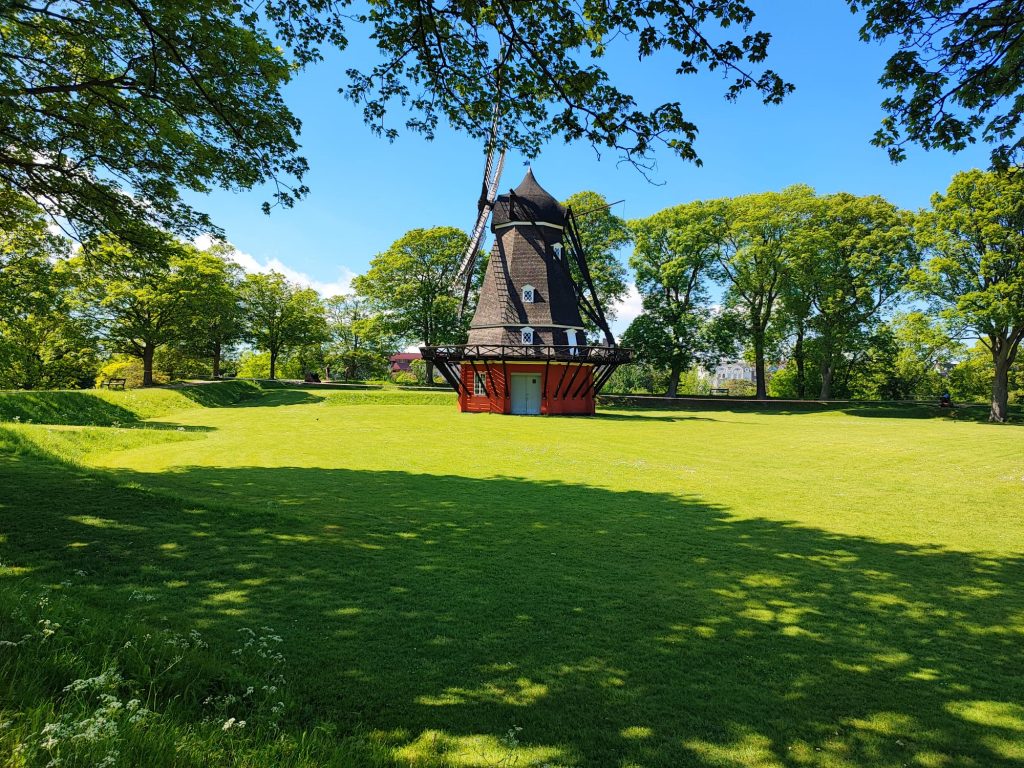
(366, 192)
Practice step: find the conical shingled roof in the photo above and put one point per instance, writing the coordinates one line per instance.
(527, 252)
(528, 202)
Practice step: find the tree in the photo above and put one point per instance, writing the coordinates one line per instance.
(140, 300)
(217, 321)
(760, 242)
(956, 75)
(974, 275)
(602, 235)
(674, 253)
(43, 344)
(281, 316)
(359, 341)
(908, 359)
(111, 107)
(853, 261)
(410, 286)
(542, 62)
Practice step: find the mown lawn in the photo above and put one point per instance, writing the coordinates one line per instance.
(641, 588)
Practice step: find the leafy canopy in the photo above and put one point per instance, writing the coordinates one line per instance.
(109, 108)
(956, 77)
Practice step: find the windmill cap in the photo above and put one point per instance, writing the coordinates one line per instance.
(528, 202)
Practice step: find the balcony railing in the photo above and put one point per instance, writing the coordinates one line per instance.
(578, 353)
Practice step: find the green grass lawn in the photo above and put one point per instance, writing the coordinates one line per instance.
(425, 588)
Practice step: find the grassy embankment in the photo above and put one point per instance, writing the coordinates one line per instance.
(402, 585)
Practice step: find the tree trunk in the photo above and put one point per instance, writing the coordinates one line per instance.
(273, 365)
(761, 384)
(675, 372)
(429, 371)
(1000, 387)
(216, 360)
(827, 372)
(801, 364)
(147, 365)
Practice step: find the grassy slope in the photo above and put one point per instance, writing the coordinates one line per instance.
(648, 589)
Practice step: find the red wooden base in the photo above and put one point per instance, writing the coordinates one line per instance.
(565, 388)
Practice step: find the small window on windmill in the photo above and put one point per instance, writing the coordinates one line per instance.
(479, 385)
(529, 294)
(527, 335)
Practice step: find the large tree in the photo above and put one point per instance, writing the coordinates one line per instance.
(762, 235)
(141, 300)
(852, 262)
(974, 274)
(43, 343)
(674, 255)
(956, 76)
(281, 316)
(410, 285)
(110, 107)
(217, 321)
(360, 342)
(602, 235)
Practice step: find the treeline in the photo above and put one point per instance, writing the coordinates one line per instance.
(837, 295)
(827, 296)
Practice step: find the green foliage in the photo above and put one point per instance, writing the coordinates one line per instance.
(674, 256)
(852, 262)
(543, 65)
(908, 359)
(955, 77)
(637, 378)
(112, 107)
(254, 365)
(410, 286)
(42, 344)
(974, 274)
(281, 317)
(360, 341)
(217, 321)
(128, 368)
(142, 300)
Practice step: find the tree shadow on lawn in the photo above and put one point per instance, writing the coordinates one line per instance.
(278, 397)
(425, 612)
(973, 412)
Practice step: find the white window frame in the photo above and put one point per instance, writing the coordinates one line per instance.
(529, 294)
(527, 336)
(479, 384)
(557, 248)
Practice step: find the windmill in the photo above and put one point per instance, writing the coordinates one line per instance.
(527, 351)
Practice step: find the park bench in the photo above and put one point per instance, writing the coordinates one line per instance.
(719, 391)
(113, 384)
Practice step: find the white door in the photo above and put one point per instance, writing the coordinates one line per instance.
(526, 393)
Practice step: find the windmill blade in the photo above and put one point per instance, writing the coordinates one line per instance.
(492, 177)
(576, 246)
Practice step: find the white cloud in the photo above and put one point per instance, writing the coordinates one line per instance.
(251, 264)
(627, 309)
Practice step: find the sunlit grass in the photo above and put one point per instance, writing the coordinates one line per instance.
(642, 588)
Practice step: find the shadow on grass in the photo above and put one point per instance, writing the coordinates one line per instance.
(74, 408)
(424, 612)
(278, 397)
(974, 412)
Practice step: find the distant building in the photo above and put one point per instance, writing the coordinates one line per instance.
(733, 370)
(402, 362)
